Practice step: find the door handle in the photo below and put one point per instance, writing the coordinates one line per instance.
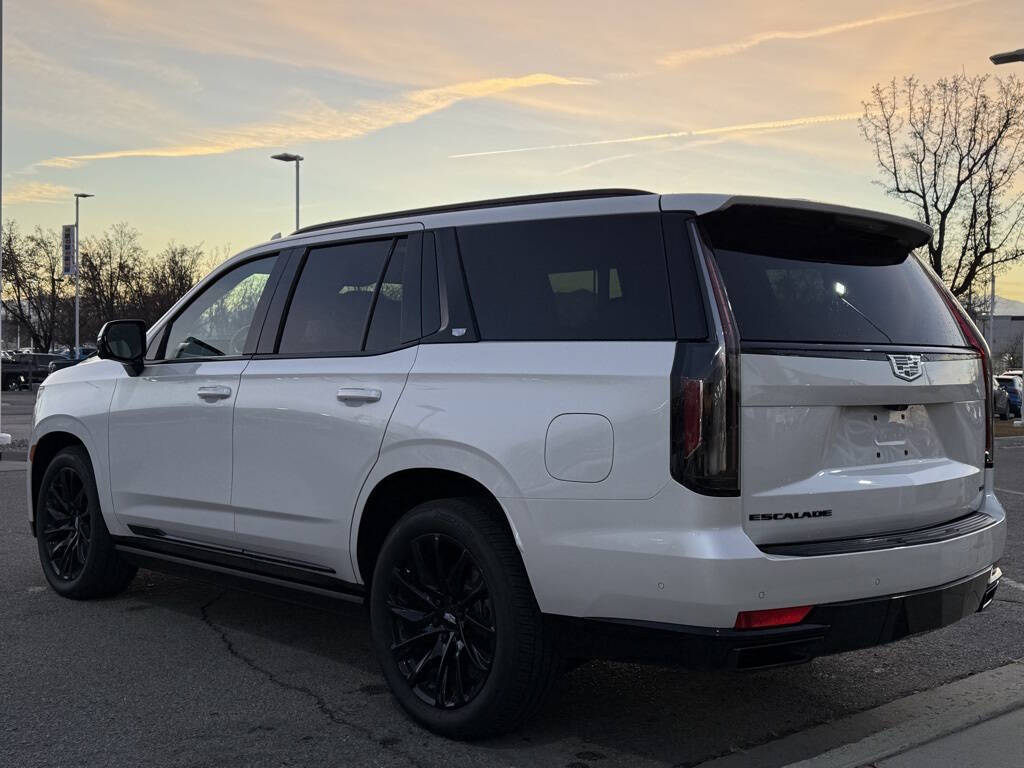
(216, 392)
(358, 395)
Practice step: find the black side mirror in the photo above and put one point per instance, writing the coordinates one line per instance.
(124, 341)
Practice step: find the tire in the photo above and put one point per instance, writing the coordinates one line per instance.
(448, 673)
(12, 385)
(75, 548)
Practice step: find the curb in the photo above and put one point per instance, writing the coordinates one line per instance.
(893, 728)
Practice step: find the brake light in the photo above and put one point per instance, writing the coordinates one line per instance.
(705, 396)
(772, 617)
(977, 342)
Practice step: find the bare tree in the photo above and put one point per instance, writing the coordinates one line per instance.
(33, 283)
(168, 276)
(954, 150)
(1009, 356)
(111, 276)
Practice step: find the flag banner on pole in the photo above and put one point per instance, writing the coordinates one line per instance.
(68, 245)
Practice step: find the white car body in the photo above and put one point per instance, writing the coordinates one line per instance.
(572, 438)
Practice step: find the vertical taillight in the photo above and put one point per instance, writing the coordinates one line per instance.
(705, 395)
(976, 341)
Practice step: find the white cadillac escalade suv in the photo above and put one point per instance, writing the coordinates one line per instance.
(709, 430)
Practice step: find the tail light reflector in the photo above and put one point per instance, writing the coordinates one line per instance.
(773, 617)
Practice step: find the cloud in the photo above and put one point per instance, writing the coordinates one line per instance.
(769, 125)
(36, 192)
(679, 58)
(45, 91)
(677, 148)
(324, 123)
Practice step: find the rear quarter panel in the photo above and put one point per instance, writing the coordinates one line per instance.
(484, 410)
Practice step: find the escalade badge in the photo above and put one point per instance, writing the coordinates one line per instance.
(906, 367)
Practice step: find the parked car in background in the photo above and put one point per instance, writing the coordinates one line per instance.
(1000, 401)
(67, 362)
(38, 364)
(719, 431)
(1014, 386)
(14, 375)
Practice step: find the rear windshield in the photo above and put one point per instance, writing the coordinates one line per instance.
(815, 281)
(592, 278)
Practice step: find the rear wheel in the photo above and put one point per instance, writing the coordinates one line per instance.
(75, 549)
(455, 624)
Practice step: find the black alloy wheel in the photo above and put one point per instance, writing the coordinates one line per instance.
(67, 532)
(454, 622)
(442, 621)
(76, 550)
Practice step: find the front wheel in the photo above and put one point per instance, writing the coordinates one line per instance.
(455, 625)
(75, 549)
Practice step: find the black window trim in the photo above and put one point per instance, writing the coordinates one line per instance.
(269, 348)
(677, 238)
(258, 318)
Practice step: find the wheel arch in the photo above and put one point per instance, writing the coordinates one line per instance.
(43, 451)
(399, 482)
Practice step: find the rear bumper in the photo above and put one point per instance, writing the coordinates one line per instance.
(830, 628)
(676, 559)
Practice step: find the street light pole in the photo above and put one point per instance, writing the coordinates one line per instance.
(288, 157)
(78, 196)
(1007, 57)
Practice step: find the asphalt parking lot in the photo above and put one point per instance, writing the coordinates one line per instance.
(181, 673)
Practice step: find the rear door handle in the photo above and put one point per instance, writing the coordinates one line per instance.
(358, 395)
(216, 392)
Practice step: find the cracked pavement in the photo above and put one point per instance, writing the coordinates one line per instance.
(184, 673)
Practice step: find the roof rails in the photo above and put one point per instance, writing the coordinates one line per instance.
(551, 197)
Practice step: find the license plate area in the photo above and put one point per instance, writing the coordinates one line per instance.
(867, 435)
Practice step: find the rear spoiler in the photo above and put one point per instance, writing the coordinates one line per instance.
(907, 233)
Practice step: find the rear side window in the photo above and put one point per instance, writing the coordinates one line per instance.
(332, 299)
(593, 278)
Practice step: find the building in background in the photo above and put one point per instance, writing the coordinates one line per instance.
(1007, 334)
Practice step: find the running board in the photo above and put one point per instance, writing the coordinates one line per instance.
(234, 567)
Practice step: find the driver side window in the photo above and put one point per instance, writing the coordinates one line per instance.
(217, 321)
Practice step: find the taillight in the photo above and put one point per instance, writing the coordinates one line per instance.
(976, 341)
(705, 397)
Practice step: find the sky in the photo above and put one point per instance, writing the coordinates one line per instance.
(168, 111)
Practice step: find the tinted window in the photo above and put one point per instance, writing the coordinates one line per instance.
(602, 277)
(782, 299)
(332, 299)
(396, 313)
(216, 323)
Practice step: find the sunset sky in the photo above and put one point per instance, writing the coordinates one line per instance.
(168, 111)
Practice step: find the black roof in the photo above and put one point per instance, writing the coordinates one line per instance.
(550, 197)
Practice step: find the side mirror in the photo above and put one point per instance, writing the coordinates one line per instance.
(124, 341)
